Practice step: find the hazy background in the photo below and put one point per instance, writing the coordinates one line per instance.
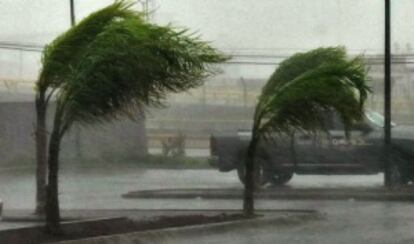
(258, 34)
(235, 26)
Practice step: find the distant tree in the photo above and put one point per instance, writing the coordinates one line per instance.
(125, 65)
(297, 95)
(174, 146)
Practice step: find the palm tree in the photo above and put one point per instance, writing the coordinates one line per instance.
(130, 64)
(298, 93)
(58, 58)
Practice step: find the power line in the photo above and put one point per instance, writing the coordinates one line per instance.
(21, 47)
(277, 63)
(21, 44)
(397, 58)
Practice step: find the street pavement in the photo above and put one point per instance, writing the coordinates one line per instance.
(344, 221)
(102, 187)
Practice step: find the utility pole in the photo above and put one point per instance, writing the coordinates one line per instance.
(77, 129)
(72, 13)
(144, 6)
(244, 87)
(147, 7)
(387, 93)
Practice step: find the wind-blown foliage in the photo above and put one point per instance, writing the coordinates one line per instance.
(141, 62)
(59, 58)
(66, 50)
(300, 91)
(306, 85)
(114, 63)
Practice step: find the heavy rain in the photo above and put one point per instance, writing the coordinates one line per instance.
(182, 121)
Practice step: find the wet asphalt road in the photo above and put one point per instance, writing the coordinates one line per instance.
(102, 187)
(344, 221)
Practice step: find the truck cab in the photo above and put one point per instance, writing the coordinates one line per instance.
(334, 150)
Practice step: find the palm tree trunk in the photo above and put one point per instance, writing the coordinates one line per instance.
(41, 154)
(52, 203)
(248, 200)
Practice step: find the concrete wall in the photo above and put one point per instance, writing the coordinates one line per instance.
(121, 139)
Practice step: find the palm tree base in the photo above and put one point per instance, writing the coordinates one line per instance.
(54, 230)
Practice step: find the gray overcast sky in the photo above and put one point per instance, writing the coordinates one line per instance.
(297, 24)
(254, 26)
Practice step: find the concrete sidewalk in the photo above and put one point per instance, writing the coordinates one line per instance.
(13, 219)
(153, 236)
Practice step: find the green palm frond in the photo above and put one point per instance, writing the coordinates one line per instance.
(65, 51)
(130, 64)
(307, 85)
(300, 63)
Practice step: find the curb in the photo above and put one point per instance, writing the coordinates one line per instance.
(289, 194)
(31, 234)
(194, 231)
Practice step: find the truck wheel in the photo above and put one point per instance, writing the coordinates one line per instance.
(397, 176)
(260, 178)
(282, 178)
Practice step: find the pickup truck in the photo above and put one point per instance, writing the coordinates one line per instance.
(332, 151)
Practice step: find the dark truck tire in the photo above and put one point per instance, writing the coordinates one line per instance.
(261, 179)
(397, 176)
(279, 179)
(397, 170)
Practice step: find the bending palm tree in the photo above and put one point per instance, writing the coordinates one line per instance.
(58, 58)
(128, 65)
(298, 93)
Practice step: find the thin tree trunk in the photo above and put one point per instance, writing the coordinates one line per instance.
(52, 203)
(41, 154)
(248, 200)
